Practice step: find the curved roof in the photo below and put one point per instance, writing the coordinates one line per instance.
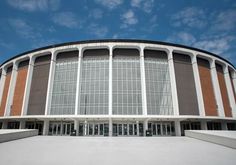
(118, 40)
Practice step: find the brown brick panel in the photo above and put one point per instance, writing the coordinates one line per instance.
(5, 93)
(207, 87)
(19, 91)
(186, 90)
(38, 90)
(223, 91)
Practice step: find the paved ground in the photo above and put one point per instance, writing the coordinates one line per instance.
(48, 150)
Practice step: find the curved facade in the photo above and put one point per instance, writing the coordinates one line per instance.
(117, 88)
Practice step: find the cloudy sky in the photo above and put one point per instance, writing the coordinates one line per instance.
(204, 24)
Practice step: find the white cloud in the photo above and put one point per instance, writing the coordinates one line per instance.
(190, 16)
(23, 29)
(145, 5)
(182, 38)
(128, 19)
(66, 19)
(97, 30)
(217, 45)
(225, 20)
(110, 4)
(34, 5)
(96, 13)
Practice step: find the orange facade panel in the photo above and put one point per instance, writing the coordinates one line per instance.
(223, 90)
(5, 93)
(19, 91)
(207, 88)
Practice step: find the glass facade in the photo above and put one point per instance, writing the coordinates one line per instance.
(64, 87)
(126, 86)
(158, 88)
(94, 78)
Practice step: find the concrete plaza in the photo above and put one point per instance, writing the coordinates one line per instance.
(48, 150)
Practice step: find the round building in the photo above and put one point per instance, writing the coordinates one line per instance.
(117, 88)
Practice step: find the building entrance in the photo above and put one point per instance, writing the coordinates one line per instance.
(127, 129)
(93, 129)
(61, 128)
(161, 128)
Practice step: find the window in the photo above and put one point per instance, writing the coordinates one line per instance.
(64, 87)
(94, 79)
(126, 86)
(158, 88)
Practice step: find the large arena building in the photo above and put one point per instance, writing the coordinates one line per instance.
(117, 88)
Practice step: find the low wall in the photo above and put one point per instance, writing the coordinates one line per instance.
(14, 134)
(225, 138)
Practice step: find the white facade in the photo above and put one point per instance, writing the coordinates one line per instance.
(110, 118)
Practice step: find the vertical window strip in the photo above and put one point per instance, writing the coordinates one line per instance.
(64, 88)
(158, 88)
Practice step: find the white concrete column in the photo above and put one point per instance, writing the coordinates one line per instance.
(2, 83)
(143, 82)
(11, 90)
(234, 79)
(27, 87)
(216, 86)
(45, 127)
(85, 127)
(137, 125)
(110, 89)
(203, 125)
(110, 127)
(177, 128)
(230, 91)
(110, 80)
(145, 127)
(50, 82)
(198, 86)
(22, 124)
(78, 83)
(173, 83)
(76, 126)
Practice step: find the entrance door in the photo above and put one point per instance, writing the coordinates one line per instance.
(61, 128)
(127, 129)
(93, 129)
(161, 128)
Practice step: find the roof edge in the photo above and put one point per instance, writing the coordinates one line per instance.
(117, 40)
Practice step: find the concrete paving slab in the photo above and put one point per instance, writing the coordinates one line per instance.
(225, 138)
(13, 134)
(48, 150)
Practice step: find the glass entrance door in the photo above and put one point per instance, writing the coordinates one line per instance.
(61, 128)
(161, 128)
(93, 129)
(127, 129)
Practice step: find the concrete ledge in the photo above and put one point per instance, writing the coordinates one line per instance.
(225, 138)
(14, 134)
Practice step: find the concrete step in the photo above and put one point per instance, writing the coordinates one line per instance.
(14, 134)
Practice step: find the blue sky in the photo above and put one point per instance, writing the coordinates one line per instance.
(205, 24)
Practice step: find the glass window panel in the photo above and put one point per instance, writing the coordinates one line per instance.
(64, 87)
(126, 86)
(93, 95)
(158, 89)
